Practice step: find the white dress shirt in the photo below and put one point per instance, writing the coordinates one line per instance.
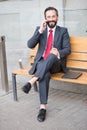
(53, 29)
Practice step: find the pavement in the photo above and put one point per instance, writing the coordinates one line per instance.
(66, 110)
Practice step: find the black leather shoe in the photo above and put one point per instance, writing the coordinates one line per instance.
(42, 115)
(26, 88)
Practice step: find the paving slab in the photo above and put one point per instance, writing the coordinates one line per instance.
(65, 111)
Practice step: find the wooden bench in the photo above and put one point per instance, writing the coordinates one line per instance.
(76, 60)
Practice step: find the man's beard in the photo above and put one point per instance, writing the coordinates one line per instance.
(52, 25)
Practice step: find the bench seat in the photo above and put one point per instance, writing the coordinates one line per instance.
(77, 60)
(58, 76)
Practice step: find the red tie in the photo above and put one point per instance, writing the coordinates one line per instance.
(49, 44)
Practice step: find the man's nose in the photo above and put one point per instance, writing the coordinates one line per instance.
(51, 19)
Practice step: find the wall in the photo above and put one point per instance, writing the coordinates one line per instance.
(18, 19)
(76, 17)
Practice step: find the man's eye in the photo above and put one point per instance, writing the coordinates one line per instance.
(48, 17)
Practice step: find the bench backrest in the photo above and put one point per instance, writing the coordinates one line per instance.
(77, 58)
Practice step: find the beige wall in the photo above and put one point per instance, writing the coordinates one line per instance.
(18, 20)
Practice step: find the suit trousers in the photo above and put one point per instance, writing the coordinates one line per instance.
(43, 72)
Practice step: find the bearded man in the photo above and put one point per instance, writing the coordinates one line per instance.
(53, 49)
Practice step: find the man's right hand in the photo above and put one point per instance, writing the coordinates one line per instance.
(43, 26)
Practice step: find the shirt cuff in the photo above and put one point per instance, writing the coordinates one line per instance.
(58, 55)
(40, 31)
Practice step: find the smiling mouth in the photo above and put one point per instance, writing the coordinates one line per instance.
(52, 21)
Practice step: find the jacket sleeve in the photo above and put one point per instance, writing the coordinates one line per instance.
(65, 48)
(32, 42)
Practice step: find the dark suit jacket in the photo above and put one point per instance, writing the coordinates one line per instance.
(61, 42)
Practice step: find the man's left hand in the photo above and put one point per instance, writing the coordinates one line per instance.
(54, 51)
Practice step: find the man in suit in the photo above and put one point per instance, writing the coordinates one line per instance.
(53, 62)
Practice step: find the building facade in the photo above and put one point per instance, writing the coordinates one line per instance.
(18, 19)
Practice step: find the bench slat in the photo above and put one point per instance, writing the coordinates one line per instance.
(81, 80)
(33, 52)
(77, 64)
(23, 71)
(72, 56)
(31, 60)
(78, 44)
(70, 64)
(78, 56)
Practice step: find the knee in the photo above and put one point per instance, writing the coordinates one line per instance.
(52, 57)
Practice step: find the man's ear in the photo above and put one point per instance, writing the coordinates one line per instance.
(45, 18)
(57, 18)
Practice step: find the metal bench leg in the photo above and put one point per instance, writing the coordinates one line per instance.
(14, 87)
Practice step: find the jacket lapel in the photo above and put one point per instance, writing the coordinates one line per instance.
(56, 36)
(45, 37)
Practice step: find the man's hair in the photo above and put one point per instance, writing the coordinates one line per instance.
(50, 8)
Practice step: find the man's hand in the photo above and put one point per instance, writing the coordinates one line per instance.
(43, 26)
(54, 51)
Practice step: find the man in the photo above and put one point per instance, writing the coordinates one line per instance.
(53, 48)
